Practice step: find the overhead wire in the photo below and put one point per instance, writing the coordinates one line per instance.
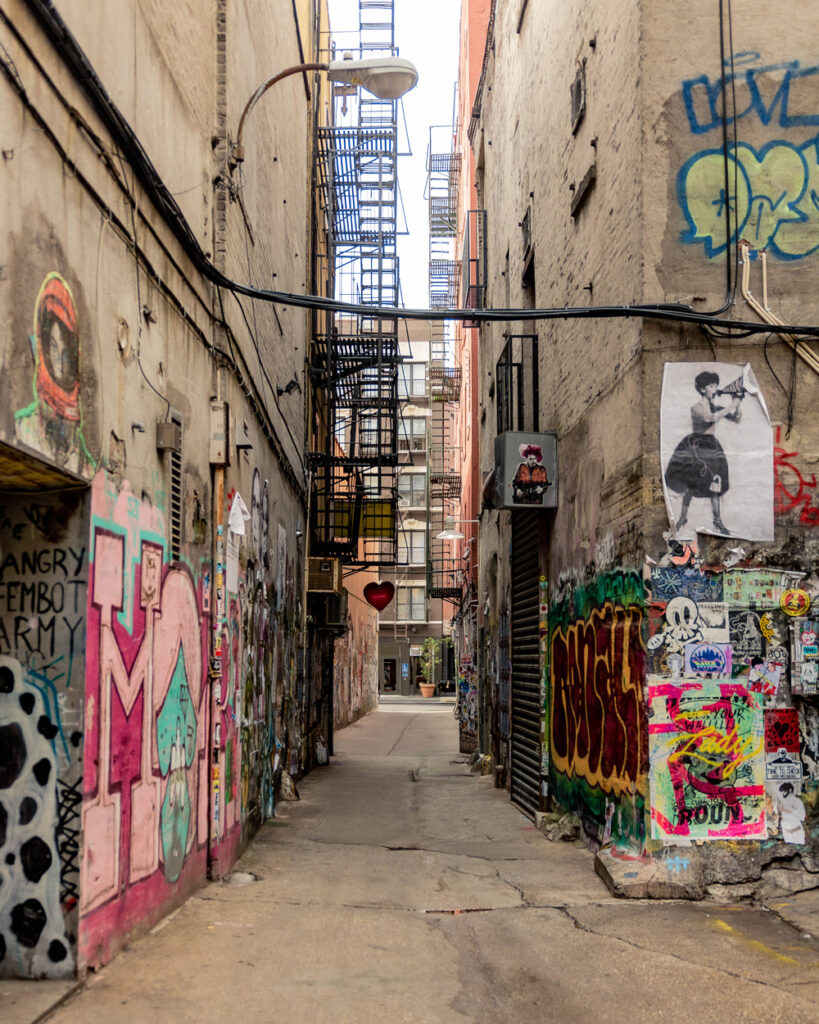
(165, 203)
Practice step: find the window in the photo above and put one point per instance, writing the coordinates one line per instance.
(412, 380)
(412, 490)
(410, 602)
(412, 434)
(411, 547)
(370, 437)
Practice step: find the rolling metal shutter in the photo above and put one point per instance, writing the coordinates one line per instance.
(526, 709)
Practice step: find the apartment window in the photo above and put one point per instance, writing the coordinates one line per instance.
(410, 604)
(370, 436)
(412, 435)
(412, 380)
(412, 547)
(412, 490)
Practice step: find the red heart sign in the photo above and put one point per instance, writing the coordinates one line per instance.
(379, 595)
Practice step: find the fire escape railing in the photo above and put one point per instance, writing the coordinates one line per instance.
(444, 571)
(354, 361)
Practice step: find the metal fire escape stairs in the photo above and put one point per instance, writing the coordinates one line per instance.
(444, 381)
(355, 358)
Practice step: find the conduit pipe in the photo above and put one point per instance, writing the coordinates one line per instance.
(761, 308)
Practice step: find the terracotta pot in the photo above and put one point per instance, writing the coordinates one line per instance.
(427, 689)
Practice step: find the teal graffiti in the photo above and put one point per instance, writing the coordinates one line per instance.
(176, 748)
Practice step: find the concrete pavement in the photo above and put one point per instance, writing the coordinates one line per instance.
(403, 888)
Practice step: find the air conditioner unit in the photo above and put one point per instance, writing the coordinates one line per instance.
(324, 576)
(336, 611)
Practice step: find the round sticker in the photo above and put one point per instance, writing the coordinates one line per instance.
(795, 602)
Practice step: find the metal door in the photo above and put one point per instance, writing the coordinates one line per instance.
(525, 651)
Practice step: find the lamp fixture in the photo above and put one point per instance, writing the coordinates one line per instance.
(388, 78)
(288, 389)
(450, 532)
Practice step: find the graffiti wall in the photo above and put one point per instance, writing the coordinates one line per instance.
(355, 663)
(597, 722)
(772, 167)
(256, 711)
(43, 593)
(145, 785)
(733, 668)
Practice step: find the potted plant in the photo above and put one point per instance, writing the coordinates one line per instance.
(430, 657)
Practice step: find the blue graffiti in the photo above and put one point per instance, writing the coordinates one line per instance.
(773, 198)
(779, 93)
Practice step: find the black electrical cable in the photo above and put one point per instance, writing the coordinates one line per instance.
(56, 29)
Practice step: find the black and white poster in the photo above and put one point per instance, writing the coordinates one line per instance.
(716, 451)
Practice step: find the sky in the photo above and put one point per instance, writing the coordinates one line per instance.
(426, 32)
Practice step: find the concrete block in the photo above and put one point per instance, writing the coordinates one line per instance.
(674, 874)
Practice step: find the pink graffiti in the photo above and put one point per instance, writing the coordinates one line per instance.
(792, 490)
(129, 675)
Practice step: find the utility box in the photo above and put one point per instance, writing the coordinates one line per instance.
(168, 436)
(219, 434)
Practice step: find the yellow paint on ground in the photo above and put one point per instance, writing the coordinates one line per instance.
(754, 943)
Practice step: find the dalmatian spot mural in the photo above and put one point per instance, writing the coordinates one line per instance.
(33, 942)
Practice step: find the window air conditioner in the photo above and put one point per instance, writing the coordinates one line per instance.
(324, 576)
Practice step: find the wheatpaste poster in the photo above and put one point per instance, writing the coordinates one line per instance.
(716, 450)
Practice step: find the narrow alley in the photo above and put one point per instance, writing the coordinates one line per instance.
(404, 887)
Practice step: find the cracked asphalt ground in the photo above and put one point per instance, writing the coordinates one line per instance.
(404, 888)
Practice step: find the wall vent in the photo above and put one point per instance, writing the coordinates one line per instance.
(176, 492)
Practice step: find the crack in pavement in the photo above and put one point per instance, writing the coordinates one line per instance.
(674, 956)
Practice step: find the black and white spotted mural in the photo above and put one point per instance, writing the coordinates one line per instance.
(33, 940)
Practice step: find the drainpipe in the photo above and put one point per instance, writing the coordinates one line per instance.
(761, 308)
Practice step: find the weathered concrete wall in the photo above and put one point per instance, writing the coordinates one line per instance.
(189, 681)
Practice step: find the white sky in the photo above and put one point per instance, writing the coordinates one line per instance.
(426, 32)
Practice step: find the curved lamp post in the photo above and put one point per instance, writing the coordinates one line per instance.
(388, 78)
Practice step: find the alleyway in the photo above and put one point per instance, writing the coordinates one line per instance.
(403, 888)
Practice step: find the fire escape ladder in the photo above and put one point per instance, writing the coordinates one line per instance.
(355, 358)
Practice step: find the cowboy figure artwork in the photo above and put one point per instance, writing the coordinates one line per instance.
(530, 481)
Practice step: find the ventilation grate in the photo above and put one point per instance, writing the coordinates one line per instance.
(176, 494)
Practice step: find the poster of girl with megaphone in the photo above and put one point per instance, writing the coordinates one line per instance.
(716, 450)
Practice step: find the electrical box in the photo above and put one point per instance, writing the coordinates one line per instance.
(219, 434)
(168, 437)
(526, 470)
(324, 576)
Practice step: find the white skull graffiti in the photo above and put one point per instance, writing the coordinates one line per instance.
(683, 625)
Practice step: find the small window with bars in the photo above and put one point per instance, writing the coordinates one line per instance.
(176, 493)
(412, 435)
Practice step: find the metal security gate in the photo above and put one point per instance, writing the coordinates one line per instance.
(526, 709)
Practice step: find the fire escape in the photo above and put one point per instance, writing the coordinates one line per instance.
(354, 361)
(443, 456)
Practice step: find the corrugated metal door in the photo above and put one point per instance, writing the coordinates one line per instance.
(526, 710)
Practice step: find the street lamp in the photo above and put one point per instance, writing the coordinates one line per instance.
(450, 532)
(388, 78)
